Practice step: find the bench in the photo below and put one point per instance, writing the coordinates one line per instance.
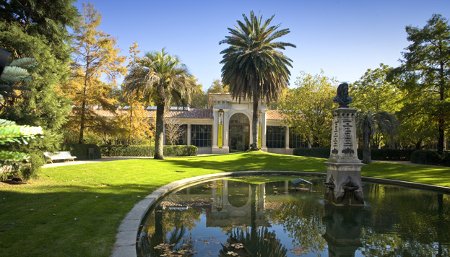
(58, 156)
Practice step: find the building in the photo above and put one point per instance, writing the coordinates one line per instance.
(227, 127)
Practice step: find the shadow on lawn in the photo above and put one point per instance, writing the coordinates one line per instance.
(65, 220)
(252, 161)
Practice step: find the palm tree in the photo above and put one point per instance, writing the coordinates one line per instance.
(161, 78)
(253, 64)
(370, 123)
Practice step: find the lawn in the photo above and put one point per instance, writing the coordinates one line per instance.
(76, 210)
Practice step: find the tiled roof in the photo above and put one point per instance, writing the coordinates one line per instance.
(188, 114)
(191, 114)
(274, 115)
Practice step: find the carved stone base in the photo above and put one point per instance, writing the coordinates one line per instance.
(343, 183)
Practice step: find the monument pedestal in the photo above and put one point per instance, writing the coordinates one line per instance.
(343, 181)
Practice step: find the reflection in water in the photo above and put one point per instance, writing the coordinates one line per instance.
(277, 218)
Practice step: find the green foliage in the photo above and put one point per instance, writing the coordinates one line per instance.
(253, 65)
(312, 152)
(377, 154)
(180, 150)
(148, 150)
(430, 157)
(308, 107)
(12, 160)
(85, 151)
(425, 74)
(127, 150)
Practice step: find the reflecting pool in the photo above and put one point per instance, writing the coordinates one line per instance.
(275, 216)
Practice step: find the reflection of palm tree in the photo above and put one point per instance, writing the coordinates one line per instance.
(254, 243)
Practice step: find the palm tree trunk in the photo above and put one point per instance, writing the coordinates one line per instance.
(159, 137)
(254, 145)
(367, 158)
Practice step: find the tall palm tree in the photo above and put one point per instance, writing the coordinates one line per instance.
(370, 123)
(162, 79)
(253, 64)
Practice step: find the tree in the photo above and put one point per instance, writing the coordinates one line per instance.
(377, 100)
(174, 130)
(161, 78)
(218, 87)
(198, 97)
(13, 79)
(253, 64)
(95, 56)
(308, 108)
(39, 29)
(425, 70)
(370, 123)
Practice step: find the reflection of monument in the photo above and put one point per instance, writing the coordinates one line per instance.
(232, 204)
(343, 230)
(343, 181)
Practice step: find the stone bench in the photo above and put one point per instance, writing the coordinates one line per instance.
(59, 156)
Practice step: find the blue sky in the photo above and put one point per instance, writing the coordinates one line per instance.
(341, 37)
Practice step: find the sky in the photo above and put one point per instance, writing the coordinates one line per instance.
(342, 38)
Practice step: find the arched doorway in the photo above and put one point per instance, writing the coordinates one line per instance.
(239, 131)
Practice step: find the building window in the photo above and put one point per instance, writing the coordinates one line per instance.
(296, 140)
(201, 135)
(276, 137)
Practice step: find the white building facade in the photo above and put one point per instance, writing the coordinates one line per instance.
(227, 127)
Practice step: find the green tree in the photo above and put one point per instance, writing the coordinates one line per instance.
(307, 108)
(218, 87)
(253, 64)
(425, 71)
(370, 123)
(199, 99)
(96, 56)
(377, 99)
(161, 78)
(38, 29)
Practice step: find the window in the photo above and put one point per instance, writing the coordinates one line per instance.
(296, 140)
(276, 137)
(201, 135)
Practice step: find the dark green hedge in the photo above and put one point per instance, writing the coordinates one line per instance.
(377, 154)
(147, 150)
(85, 151)
(430, 157)
(312, 152)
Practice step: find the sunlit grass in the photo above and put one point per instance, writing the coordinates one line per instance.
(75, 210)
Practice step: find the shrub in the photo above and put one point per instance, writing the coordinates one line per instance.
(312, 152)
(85, 151)
(430, 157)
(147, 150)
(388, 154)
(180, 150)
(127, 150)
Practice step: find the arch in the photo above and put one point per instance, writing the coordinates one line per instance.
(239, 132)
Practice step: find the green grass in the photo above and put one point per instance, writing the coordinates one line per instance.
(76, 210)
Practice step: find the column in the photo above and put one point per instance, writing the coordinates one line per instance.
(214, 127)
(264, 130)
(226, 127)
(286, 137)
(188, 134)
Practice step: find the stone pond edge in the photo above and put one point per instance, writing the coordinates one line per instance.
(125, 245)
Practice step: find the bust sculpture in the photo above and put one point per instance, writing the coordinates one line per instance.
(342, 97)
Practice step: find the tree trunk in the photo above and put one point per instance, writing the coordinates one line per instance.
(159, 137)
(254, 145)
(441, 118)
(83, 114)
(367, 158)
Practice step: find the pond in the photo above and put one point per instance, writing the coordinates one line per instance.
(275, 216)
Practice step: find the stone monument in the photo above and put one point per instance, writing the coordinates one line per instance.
(343, 181)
